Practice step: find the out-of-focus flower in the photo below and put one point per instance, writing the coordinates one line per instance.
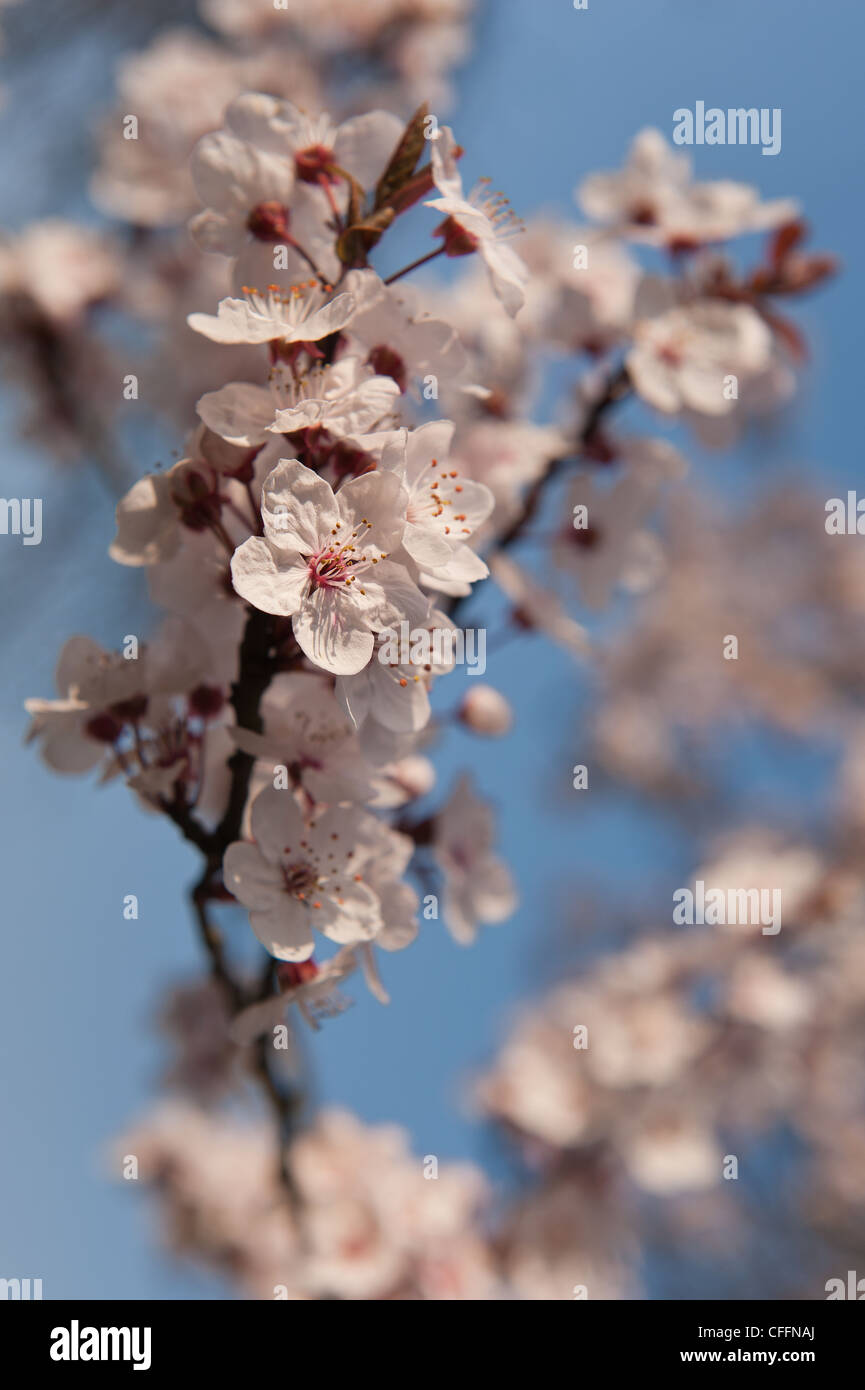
(653, 200)
(478, 887)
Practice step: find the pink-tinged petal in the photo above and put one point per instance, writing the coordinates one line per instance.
(221, 232)
(79, 661)
(355, 696)
(328, 629)
(285, 931)
(239, 412)
(399, 905)
(351, 915)
(403, 708)
(265, 578)
(446, 175)
(62, 742)
(378, 499)
(508, 273)
(146, 517)
(276, 823)
(702, 388)
(235, 322)
(397, 596)
(260, 118)
(653, 380)
(470, 218)
(495, 897)
(370, 974)
(248, 875)
(212, 165)
(430, 441)
(330, 318)
(230, 173)
(364, 145)
(298, 507)
(424, 547)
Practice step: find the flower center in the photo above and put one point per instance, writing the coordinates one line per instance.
(300, 878)
(457, 240)
(269, 222)
(315, 165)
(327, 569)
(104, 728)
(670, 354)
(587, 537)
(643, 214)
(385, 362)
(291, 975)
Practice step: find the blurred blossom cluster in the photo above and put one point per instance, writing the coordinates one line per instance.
(359, 456)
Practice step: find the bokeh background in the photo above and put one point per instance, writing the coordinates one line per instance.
(547, 95)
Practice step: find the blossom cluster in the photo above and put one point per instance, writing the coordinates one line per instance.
(364, 456)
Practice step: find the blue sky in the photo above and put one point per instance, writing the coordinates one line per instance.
(549, 95)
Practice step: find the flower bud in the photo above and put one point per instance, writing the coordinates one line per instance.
(485, 711)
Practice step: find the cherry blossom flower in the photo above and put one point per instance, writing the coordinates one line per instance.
(477, 885)
(343, 399)
(156, 511)
(444, 506)
(312, 988)
(304, 874)
(580, 297)
(481, 223)
(245, 176)
(653, 200)
(322, 561)
(603, 543)
(302, 314)
(681, 359)
(179, 87)
(393, 689)
(402, 340)
(62, 268)
(306, 731)
(102, 693)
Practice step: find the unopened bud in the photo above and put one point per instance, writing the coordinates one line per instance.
(485, 711)
(415, 774)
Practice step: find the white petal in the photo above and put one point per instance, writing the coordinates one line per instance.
(249, 876)
(285, 931)
(298, 507)
(276, 823)
(364, 145)
(239, 412)
(269, 579)
(329, 629)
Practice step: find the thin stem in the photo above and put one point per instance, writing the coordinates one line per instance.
(258, 662)
(421, 260)
(304, 255)
(211, 939)
(337, 216)
(617, 387)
